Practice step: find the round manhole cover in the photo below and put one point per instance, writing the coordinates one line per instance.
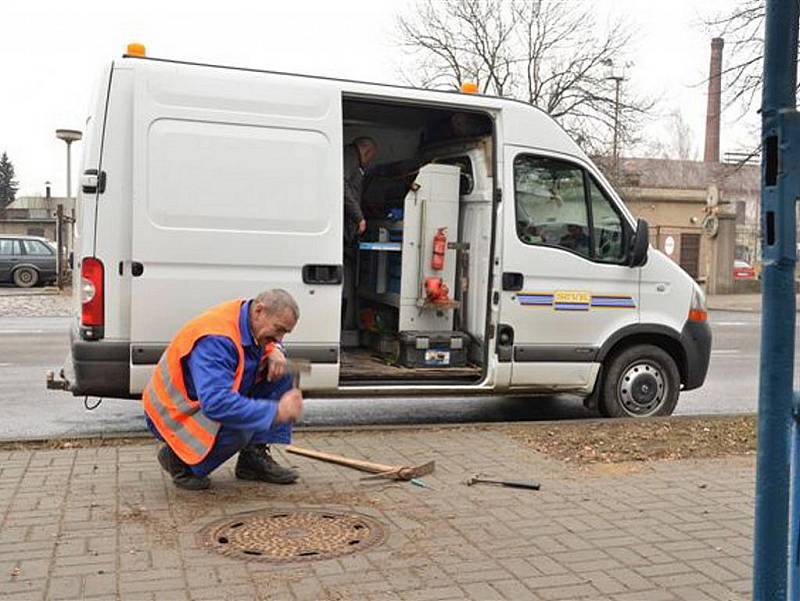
(281, 536)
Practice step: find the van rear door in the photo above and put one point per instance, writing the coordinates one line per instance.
(84, 231)
(237, 188)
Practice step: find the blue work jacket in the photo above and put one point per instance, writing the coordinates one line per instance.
(209, 371)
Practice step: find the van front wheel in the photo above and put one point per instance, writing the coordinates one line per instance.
(640, 381)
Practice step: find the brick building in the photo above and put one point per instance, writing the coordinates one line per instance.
(36, 216)
(672, 195)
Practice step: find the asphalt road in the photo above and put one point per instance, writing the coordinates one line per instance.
(30, 346)
(732, 382)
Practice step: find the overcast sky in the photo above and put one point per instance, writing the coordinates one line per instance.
(53, 50)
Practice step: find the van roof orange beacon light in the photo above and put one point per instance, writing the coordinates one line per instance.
(135, 49)
(469, 87)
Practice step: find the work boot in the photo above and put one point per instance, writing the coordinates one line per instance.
(256, 463)
(182, 475)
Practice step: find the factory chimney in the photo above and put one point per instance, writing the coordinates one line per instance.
(711, 154)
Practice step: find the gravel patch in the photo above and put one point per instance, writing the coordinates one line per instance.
(45, 303)
(623, 440)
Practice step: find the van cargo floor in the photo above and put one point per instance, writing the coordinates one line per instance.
(364, 364)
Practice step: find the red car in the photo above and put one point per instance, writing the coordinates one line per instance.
(743, 271)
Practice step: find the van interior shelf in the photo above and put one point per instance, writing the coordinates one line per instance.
(381, 246)
(425, 304)
(365, 364)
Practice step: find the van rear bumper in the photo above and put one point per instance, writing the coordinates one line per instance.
(696, 342)
(100, 367)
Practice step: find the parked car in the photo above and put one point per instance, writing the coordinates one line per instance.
(743, 271)
(26, 260)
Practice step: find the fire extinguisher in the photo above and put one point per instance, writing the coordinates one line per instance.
(439, 246)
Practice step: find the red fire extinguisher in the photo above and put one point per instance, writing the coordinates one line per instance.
(439, 246)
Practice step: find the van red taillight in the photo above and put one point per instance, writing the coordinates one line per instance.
(91, 292)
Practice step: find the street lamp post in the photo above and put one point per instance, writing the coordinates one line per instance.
(616, 73)
(69, 136)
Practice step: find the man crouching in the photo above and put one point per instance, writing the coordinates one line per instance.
(222, 387)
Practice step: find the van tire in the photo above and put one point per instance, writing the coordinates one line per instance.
(25, 277)
(640, 381)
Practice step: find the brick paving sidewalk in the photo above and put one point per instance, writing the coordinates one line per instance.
(105, 523)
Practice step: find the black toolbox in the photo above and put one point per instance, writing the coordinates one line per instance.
(433, 349)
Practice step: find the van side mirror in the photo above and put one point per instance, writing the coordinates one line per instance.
(639, 244)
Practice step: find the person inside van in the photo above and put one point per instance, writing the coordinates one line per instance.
(530, 233)
(357, 158)
(576, 239)
(221, 387)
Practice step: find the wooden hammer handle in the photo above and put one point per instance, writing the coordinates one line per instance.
(364, 466)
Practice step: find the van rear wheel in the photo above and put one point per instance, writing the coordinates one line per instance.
(640, 381)
(25, 277)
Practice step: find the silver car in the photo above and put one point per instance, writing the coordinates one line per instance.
(26, 260)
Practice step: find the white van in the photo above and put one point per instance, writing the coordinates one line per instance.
(203, 183)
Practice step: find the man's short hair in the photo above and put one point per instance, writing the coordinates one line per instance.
(365, 142)
(277, 300)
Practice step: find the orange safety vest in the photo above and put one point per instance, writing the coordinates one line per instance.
(179, 420)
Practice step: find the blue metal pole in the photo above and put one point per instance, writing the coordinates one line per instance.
(794, 505)
(780, 141)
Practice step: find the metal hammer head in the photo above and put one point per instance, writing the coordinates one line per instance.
(297, 367)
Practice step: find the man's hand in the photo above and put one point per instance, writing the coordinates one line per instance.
(362, 226)
(276, 365)
(290, 407)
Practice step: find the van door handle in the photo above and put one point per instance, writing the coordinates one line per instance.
(513, 281)
(325, 275)
(93, 181)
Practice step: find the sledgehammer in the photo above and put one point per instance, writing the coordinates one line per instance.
(294, 367)
(527, 484)
(297, 367)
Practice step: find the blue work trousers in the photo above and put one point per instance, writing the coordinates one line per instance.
(230, 441)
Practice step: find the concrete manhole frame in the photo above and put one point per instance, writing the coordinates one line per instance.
(292, 535)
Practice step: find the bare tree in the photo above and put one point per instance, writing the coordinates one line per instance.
(742, 27)
(682, 145)
(677, 141)
(545, 52)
